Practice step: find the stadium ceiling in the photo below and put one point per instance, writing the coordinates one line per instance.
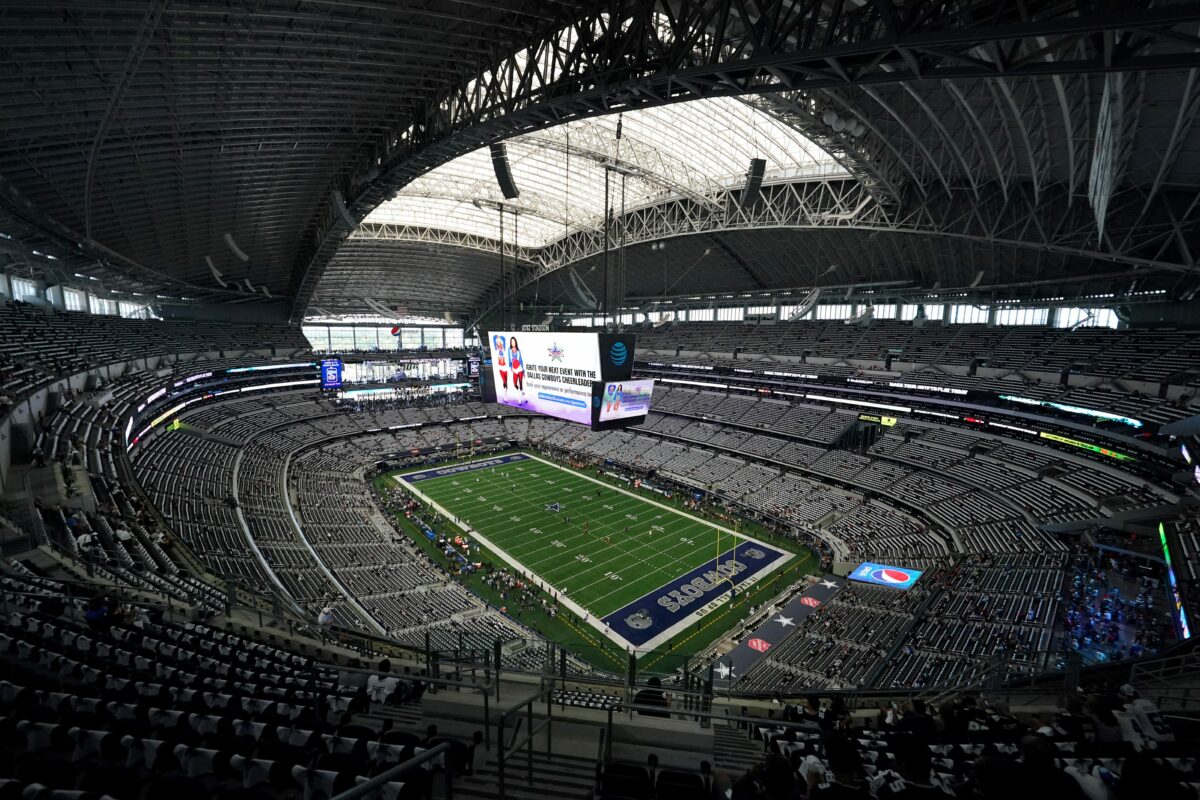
(970, 143)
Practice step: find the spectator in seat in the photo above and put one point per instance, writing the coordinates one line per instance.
(97, 613)
(916, 779)
(841, 776)
(1040, 772)
(653, 695)
(916, 720)
(771, 780)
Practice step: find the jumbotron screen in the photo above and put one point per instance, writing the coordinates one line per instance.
(555, 373)
(625, 399)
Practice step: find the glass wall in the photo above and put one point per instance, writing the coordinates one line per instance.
(734, 314)
(1086, 318)
(345, 338)
(968, 315)
(1022, 316)
(23, 288)
(74, 300)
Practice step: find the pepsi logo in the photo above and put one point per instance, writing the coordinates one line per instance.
(811, 602)
(884, 575)
(759, 645)
(395, 330)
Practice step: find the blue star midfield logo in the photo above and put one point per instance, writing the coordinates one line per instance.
(556, 352)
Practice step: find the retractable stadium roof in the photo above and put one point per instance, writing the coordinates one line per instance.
(323, 152)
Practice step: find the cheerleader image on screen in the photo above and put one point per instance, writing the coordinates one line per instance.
(501, 362)
(517, 364)
(612, 397)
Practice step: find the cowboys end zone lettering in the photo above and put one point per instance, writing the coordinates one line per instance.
(884, 575)
(693, 594)
(426, 474)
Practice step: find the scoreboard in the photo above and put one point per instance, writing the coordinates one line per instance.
(585, 378)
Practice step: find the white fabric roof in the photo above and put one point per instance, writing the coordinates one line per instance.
(686, 149)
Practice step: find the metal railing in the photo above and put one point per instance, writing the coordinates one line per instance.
(523, 741)
(400, 770)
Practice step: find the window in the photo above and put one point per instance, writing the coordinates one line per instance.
(341, 338)
(74, 300)
(761, 311)
(129, 310)
(786, 312)
(968, 315)
(731, 314)
(700, 315)
(909, 311)
(99, 305)
(410, 339)
(834, 311)
(581, 322)
(433, 338)
(626, 319)
(454, 337)
(1086, 318)
(23, 288)
(885, 311)
(1022, 316)
(318, 337)
(365, 337)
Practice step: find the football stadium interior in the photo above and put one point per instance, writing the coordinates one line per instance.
(599, 399)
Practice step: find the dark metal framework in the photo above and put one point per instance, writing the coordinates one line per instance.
(137, 135)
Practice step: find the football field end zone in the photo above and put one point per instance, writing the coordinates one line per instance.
(600, 624)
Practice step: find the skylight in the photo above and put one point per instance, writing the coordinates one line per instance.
(688, 150)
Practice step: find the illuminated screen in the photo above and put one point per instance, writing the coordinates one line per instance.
(1176, 600)
(331, 373)
(887, 422)
(884, 575)
(554, 373)
(1187, 456)
(1094, 448)
(625, 399)
(1087, 412)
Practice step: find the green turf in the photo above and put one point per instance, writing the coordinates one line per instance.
(604, 548)
(580, 639)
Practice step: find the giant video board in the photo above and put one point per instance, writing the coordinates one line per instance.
(556, 373)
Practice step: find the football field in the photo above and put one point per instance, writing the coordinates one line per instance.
(636, 570)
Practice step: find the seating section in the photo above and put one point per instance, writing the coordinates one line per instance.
(38, 346)
(101, 698)
(272, 492)
(1152, 356)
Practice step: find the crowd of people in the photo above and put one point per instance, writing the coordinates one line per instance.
(1102, 621)
(968, 749)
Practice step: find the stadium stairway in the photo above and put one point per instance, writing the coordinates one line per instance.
(733, 750)
(557, 776)
(405, 717)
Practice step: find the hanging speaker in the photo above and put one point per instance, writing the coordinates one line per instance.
(503, 173)
(754, 179)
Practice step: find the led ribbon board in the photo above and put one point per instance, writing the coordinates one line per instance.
(1069, 409)
(1176, 600)
(1094, 448)
(885, 575)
